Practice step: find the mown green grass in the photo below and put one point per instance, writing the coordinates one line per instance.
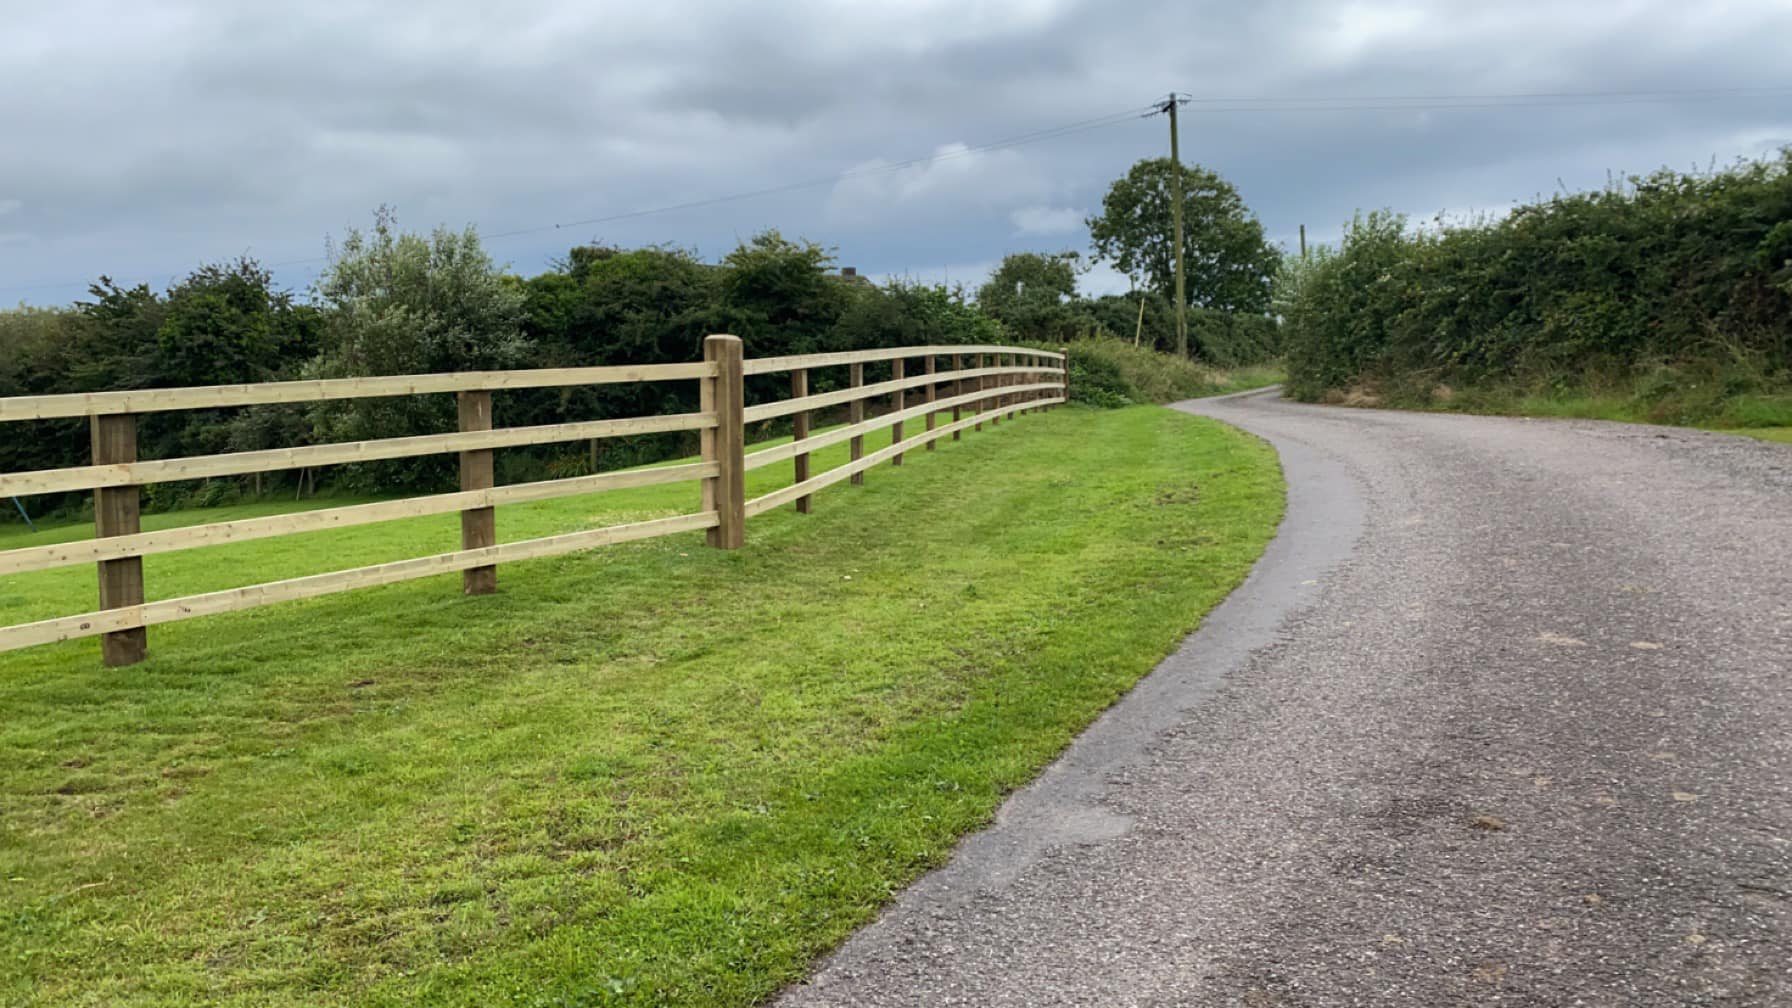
(650, 773)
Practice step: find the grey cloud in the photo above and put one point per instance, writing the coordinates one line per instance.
(162, 136)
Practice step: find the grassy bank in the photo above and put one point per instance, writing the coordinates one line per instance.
(652, 773)
(1111, 372)
(1686, 397)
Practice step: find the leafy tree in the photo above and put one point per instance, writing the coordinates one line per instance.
(1034, 295)
(115, 344)
(1228, 263)
(614, 306)
(38, 349)
(225, 324)
(403, 304)
(902, 314)
(777, 297)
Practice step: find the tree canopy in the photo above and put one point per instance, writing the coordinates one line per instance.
(1032, 294)
(1228, 263)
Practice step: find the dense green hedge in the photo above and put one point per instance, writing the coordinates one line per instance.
(1669, 270)
(395, 303)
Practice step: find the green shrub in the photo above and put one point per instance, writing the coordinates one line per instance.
(1109, 373)
(1679, 285)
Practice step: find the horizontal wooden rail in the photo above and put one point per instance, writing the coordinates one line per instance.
(230, 600)
(762, 504)
(218, 396)
(815, 442)
(768, 365)
(32, 558)
(785, 407)
(238, 463)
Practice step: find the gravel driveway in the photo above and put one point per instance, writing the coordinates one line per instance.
(1503, 717)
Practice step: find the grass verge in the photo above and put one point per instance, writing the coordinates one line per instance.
(651, 773)
(1682, 397)
(1111, 372)
(1781, 434)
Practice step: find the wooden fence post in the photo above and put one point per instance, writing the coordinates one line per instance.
(1066, 379)
(995, 401)
(116, 511)
(898, 399)
(958, 390)
(478, 526)
(932, 394)
(799, 388)
(982, 381)
(855, 413)
(725, 444)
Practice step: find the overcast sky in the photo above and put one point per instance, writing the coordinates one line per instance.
(144, 139)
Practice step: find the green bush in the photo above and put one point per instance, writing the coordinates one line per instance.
(1109, 373)
(1669, 281)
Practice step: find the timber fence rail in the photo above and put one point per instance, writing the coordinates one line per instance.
(973, 385)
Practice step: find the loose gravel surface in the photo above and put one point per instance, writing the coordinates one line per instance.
(1503, 717)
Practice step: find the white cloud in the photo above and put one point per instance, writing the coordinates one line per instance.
(520, 118)
(954, 179)
(1041, 220)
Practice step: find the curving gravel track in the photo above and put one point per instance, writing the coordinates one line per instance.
(1504, 716)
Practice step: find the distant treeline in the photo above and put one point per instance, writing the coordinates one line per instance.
(397, 303)
(1668, 279)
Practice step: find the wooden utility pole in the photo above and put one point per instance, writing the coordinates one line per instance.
(1303, 243)
(1176, 212)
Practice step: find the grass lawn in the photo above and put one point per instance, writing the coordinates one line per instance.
(649, 773)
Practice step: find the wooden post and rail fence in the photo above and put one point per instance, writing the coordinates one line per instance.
(980, 383)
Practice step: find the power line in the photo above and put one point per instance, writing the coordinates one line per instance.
(1534, 100)
(1665, 94)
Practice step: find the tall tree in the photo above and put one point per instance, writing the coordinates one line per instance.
(1229, 263)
